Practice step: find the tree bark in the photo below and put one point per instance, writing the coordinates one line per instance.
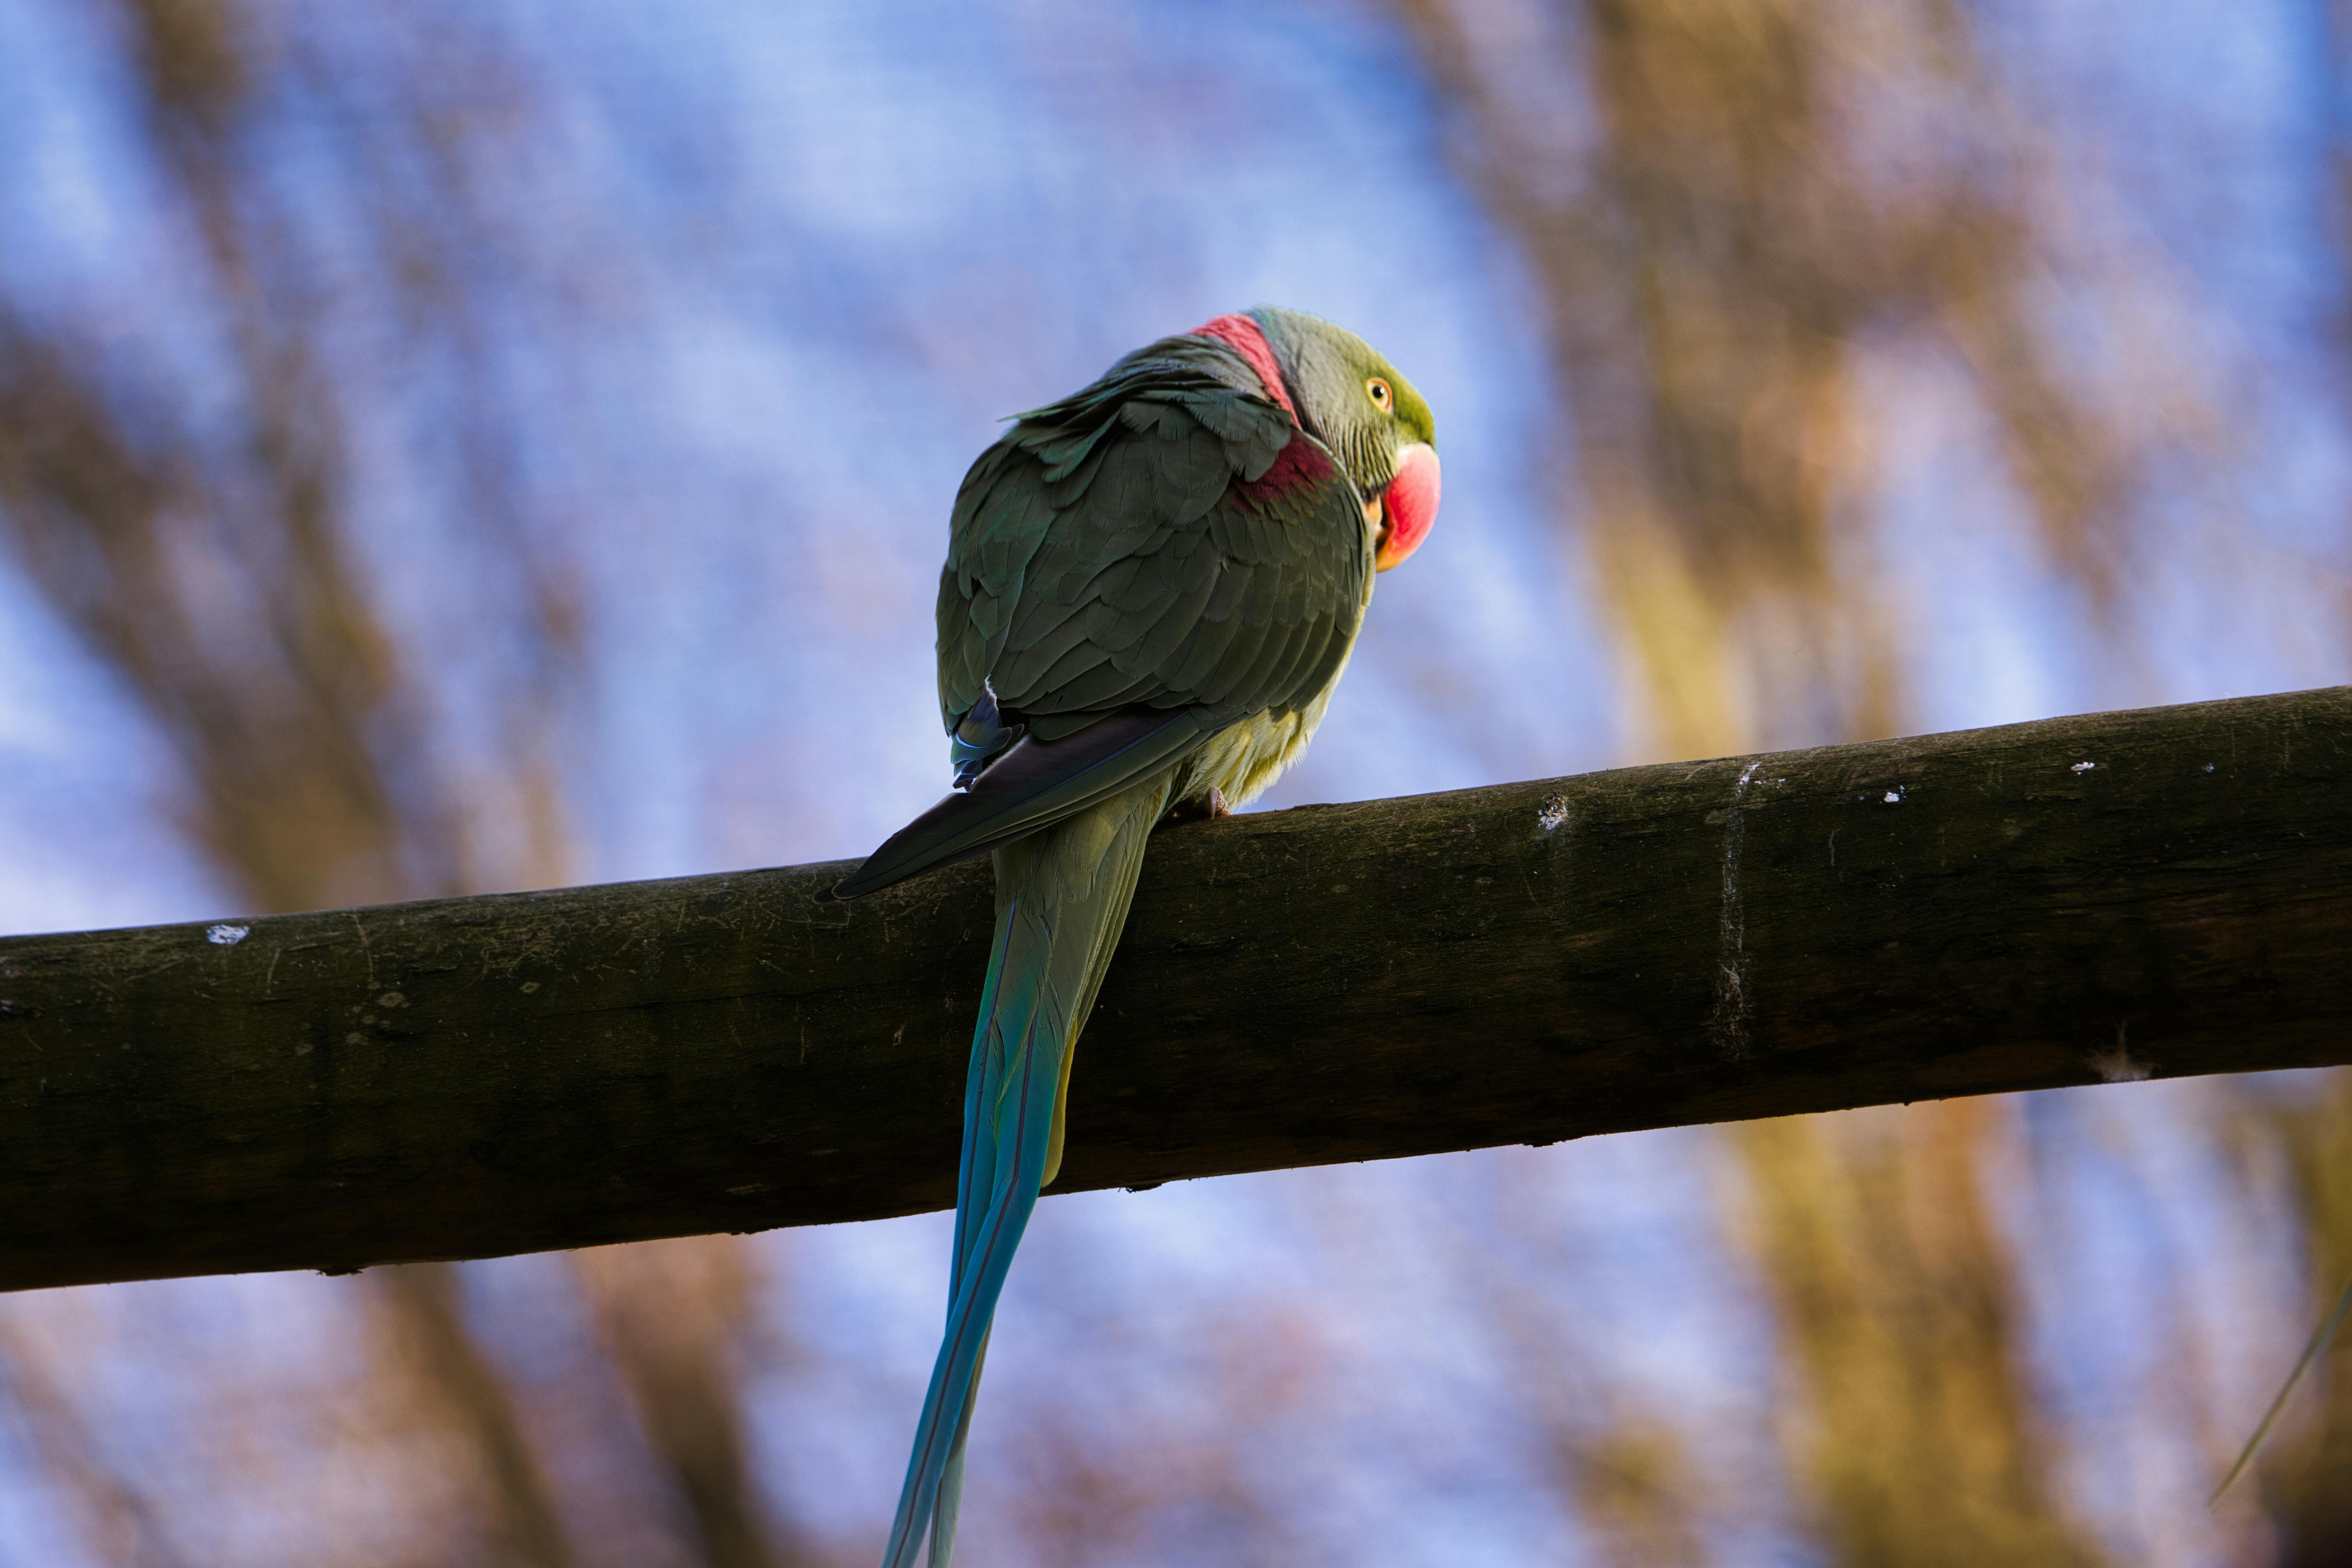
(2167, 891)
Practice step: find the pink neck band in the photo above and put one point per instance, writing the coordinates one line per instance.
(1247, 339)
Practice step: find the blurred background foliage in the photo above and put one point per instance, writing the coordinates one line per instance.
(447, 447)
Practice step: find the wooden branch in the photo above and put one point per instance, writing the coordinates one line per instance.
(2167, 891)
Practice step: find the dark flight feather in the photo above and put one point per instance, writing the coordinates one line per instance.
(1034, 785)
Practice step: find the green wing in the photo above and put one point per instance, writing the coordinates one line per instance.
(1129, 570)
(1162, 540)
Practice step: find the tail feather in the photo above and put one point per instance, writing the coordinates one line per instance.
(950, 1497)
(1062, 896)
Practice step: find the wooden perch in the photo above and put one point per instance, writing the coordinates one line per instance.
(2163, 892)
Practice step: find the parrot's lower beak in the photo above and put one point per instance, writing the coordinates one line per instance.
(1408, 507)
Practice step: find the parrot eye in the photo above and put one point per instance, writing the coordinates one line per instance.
(1382, 398)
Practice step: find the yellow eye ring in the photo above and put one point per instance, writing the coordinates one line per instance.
(1382, 398)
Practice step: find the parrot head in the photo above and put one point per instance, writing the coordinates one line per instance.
(1353, 401)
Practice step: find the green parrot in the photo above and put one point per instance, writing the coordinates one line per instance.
(1151, 587)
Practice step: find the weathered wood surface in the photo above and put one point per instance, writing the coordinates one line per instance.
(1904, 920)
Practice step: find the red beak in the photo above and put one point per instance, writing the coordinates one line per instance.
(1409, 506)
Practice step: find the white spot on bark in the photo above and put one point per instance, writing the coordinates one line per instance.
(226, 935)
(1894, 797)
(1553, 813)
(2116, 1066)
(2082, 767)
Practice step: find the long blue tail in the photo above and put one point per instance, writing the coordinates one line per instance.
(1061, 901)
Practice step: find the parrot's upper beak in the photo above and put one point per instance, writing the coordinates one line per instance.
(1409, 506)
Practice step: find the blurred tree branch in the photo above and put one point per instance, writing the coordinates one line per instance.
(1915, 1430)
(213, 563)
(1721, 201)
(2303, 1478)
(1725, 204)
(423, 1318)
(674, 1317)
(120, 1518)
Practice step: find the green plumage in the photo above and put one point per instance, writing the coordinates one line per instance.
(1099, 556)
(1151, 587)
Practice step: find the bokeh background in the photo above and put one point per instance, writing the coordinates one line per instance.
(456, 445)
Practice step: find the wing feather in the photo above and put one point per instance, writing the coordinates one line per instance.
(1144, 544)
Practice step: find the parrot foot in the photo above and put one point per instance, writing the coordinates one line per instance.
(1200, 807)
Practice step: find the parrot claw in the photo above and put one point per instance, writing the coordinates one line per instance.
(1202, 807)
